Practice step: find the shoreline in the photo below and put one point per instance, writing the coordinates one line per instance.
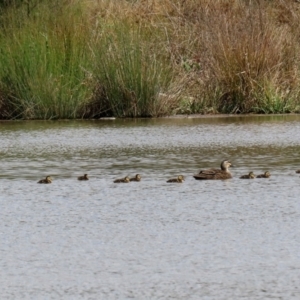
(180, 116)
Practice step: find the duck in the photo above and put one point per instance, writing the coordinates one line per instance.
(137, 177)
(179, 179)
(84, 177)
(298, 171)
(265, 175)
(248, 176)
(122, 180)
(222, 173)
(48, 179)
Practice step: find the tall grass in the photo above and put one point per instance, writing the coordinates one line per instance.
(246, 51)
(84, 59)
(43, 69)
(252, 61)
(132, 77)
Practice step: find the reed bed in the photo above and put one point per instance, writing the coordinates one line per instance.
(148, 58)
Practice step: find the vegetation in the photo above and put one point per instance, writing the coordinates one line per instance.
(144, 58)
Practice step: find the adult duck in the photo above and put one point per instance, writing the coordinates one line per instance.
(222, 173)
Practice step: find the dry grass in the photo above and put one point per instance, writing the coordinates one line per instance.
(233, 56)
(227, 55)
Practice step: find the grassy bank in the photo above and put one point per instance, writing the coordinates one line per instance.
(87, 59)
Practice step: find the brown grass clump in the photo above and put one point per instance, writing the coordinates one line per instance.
(228, 56)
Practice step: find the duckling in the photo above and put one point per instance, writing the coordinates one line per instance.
(265, 175)
(122, 180)
(298, 171)
(179, 179)
(249, 176)
(48, 179)
(84, 177)
(216, 173)
(137, 177)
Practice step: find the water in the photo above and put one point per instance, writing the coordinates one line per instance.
(150, 240)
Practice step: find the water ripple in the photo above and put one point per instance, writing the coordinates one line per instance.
(149, 240)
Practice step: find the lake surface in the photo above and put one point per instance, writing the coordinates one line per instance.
(229, 239)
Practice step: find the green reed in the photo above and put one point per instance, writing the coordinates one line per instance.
(132, 75)
(44, 67)
(66, 66)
